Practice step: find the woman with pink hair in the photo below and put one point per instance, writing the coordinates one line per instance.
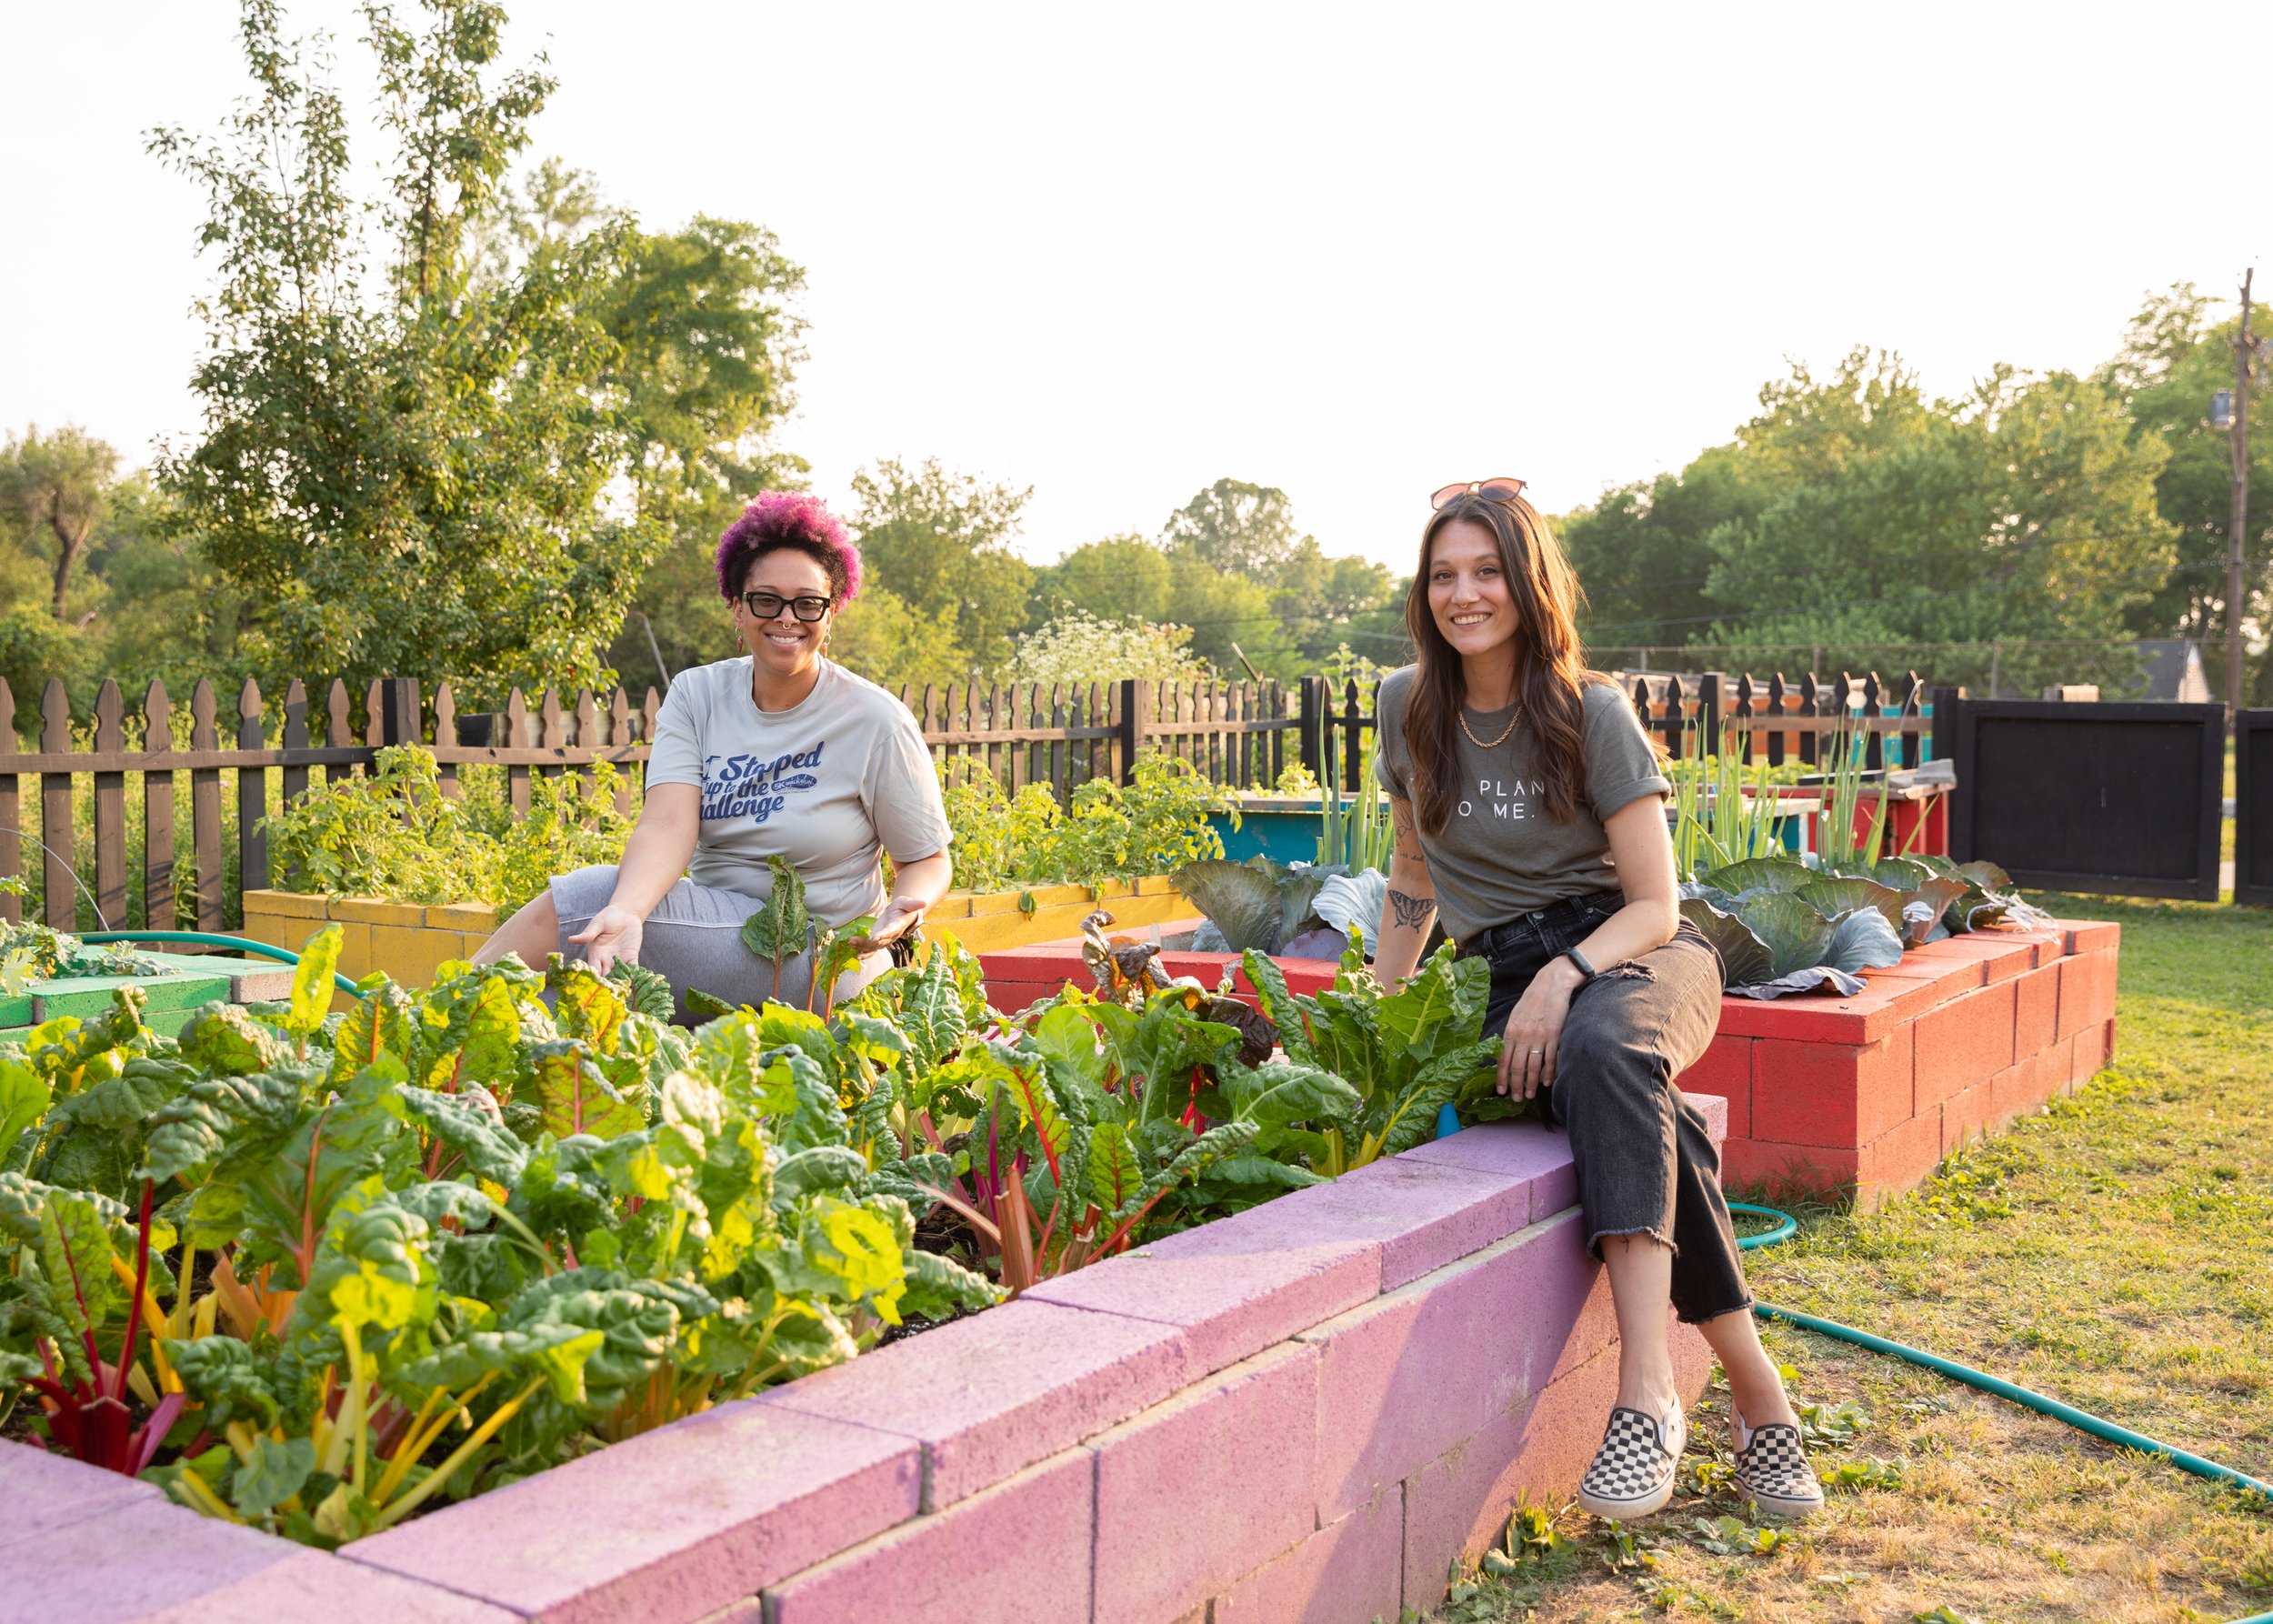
(778, 752)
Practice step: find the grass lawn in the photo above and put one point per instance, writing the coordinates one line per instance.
(2116, 1252)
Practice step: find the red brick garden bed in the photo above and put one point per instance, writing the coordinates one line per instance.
(1870, 1092)
(1832, 1095)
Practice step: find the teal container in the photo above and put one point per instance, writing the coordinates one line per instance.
(1282, 828)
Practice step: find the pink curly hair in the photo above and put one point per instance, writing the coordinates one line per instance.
(789, 519)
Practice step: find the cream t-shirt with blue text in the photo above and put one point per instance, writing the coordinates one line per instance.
(831, 783)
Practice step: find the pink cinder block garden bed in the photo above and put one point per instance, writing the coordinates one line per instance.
(1307, 1411)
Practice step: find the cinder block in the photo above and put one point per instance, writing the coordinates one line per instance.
(370, 910)
(1458, 1504)
(1422, 1215)
(295, 904)
(2050, 942)
(411, 953)
(128, 1558)
(314, 1584)
(2037, 1009)
(45, 1491)
(1830, 1094)
(1235, 1286)
(2022, 1088)
(1777, 1168)
(1898, 1159)
(1964, 970)
(988, 1396)
(2094, 1045)
(2091, 936)
(2001, 955)
(1205, 1488)
(1034, 1531)
(1724, 1070)
(2086, 990)
(1528, 1151)
(1403, 1379)
(1348, 1573)
(1965, 1041)
(704, 1528)
(462, 916)
(1968, 1115)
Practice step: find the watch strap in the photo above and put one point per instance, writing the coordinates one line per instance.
(1578, 958)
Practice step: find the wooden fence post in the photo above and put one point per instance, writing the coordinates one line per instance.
(1708, 691)
(11, 810)
(110, 811)
(252, 796)
(205, 808)
(1136, 714)
(55, 811)
(158, 909)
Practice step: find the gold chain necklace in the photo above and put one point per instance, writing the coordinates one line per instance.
(1493, 743)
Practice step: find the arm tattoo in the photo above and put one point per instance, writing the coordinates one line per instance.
(1413, 912)
(1408, 844)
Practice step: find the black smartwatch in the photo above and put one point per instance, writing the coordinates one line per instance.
(1586, 970)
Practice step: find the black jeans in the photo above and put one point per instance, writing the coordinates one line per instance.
(1644, 1165)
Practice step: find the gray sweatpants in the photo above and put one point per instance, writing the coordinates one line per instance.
(693, 940)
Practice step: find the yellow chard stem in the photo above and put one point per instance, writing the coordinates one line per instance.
(418, 1441)
(210, 1503)
(390, 1515)
(160, 1323)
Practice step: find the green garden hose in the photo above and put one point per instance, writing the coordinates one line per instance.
(1787, 1227)
(206, 939)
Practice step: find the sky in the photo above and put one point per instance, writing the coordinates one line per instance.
(1117, 252)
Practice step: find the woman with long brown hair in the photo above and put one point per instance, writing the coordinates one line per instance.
(1529, 811)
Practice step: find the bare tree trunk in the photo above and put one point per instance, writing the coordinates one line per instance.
(67, 546)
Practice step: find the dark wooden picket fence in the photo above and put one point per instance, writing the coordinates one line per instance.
(1239, 735)
(1763, 718)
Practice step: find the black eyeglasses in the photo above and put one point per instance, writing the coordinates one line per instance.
(766, 606)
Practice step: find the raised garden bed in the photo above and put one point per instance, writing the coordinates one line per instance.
(189, 982)
(1832, 1095)
(1307, 1411)
(1868, 1092)
(410, 941)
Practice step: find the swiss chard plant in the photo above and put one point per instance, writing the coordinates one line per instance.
(1401, 1055)
(311, 1272)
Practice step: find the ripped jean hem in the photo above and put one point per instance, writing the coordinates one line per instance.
(1656, 1232)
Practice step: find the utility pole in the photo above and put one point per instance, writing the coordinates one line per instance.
(2236, 598)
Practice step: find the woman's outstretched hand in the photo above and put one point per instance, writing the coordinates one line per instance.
(896, 919)
(614, 935)
(1535, 1031)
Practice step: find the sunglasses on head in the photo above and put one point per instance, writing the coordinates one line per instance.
(766, 606)
(1492, 490)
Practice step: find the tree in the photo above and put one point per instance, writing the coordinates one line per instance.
(1642, 552)
(1237, 527)
(58, 487)
(406, 472)
(890, 644)
(2174, 356)
(941, 542)
(1117, 579)
(2023, 513)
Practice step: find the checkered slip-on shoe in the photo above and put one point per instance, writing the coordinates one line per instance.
(1632, 1474)
(1772, 1471)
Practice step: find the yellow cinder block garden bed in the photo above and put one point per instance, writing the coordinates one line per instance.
(408, 940)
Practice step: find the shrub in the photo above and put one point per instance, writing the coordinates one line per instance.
(392, 832)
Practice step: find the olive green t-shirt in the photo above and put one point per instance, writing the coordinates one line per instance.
(1502, 855)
